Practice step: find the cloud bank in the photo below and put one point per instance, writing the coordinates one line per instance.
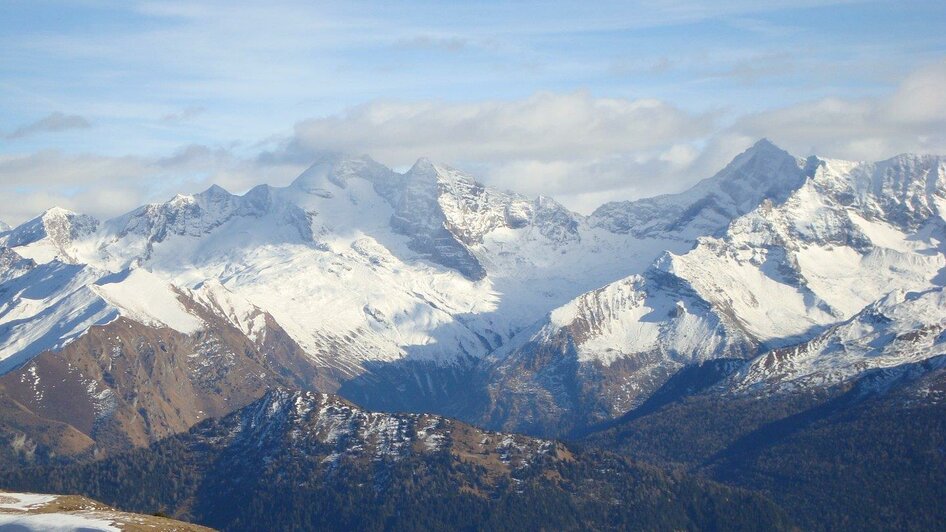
(581, 149)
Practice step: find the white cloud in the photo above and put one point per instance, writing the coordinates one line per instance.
(544, 126)
(585, 150)
(553, 144)
(919, 99)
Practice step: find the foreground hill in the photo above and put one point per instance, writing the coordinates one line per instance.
(314, 461)
(31, 511)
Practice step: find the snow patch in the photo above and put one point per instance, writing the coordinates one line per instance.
(146, 298)
(56, 522)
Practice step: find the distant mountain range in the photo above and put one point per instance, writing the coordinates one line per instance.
(779, 281)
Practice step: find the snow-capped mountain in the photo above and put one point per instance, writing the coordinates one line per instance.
(129, 382)
(427, 290)
(765, 172)
(47, 305)
(846, 236)
(428, 265)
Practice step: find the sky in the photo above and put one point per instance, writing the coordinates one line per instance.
(106, 105)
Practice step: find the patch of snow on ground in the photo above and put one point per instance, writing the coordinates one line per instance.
(23, 501)
(55, 522)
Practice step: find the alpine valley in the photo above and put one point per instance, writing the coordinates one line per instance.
(765, 350)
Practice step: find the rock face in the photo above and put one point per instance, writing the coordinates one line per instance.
(420, 214)
(428, 291)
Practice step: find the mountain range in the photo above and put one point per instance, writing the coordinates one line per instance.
(780, 281)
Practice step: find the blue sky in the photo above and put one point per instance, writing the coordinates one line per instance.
(104, 105)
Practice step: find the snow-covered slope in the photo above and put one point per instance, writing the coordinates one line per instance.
(850, 235)
(46, 306)
(643, 314)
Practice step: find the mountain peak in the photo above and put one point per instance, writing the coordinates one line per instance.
(763, 149)
(57, 212)
(58, 217)
(765, 168)
(215, 191)
(764, 144)
(422, 164)
(762, 172)
(338, 168)
(423, 168)
(180, 199)
(60, 226)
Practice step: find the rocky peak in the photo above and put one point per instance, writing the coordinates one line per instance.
(554, 221)
(341, 431)
(60, 226)
(423, 168)
(764, 166)
(215, 192)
